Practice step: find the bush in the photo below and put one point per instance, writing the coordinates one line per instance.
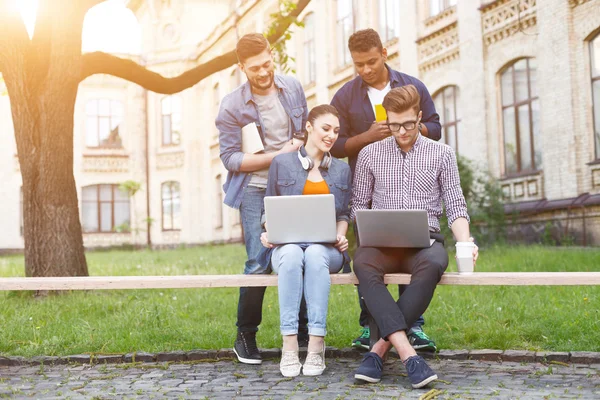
(484, 202)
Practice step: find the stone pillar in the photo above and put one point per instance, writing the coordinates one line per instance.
(555, 87)
(473, 132)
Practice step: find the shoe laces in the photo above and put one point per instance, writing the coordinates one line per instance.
(314, 359)
(289, 358)
(375, 360)
(366, 333)
(249, 340)
(421, 335)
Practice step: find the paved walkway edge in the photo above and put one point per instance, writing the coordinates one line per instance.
(574, 357)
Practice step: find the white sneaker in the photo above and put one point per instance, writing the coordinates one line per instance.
(315, 363)
(290, 364)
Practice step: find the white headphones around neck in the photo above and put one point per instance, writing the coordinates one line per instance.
(308, 163)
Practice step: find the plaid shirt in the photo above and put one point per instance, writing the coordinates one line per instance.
(388, 178)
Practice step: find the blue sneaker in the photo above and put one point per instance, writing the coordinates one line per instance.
(370, 368)
(419, 372)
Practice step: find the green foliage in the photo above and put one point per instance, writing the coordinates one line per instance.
(283, 16)
(130, 187)
(484, 202)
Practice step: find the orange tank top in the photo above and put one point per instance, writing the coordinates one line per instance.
(311, 187)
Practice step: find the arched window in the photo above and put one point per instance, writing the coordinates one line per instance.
(171, 206)
(104, 208)
(310, 62)
(389, 19)
(595, 63)
(520, 117)
(446, 104)
(103, 118)
(171, 120)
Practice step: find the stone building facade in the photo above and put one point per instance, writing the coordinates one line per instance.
(516, 82)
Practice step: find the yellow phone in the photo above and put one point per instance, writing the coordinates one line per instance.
(380, 114)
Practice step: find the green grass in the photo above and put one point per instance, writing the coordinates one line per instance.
(533, 318)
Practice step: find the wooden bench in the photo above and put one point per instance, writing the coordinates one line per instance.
(223, 281)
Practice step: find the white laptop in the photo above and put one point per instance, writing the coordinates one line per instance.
(393, 228)
(301, 219)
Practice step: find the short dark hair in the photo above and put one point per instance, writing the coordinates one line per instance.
(402, 99)
(323, 109)
(250, 45)
(364, 40)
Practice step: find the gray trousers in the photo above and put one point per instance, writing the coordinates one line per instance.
(426, 267)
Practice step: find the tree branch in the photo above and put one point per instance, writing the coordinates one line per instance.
(14, 39)
(102, 63)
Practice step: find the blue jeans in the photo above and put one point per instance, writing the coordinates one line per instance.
(249, 315)
(305, 269)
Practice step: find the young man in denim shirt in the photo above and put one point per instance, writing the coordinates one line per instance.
(356, 102)
(277, 105)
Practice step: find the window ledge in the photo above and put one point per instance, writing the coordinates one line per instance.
(172, 149)
(594, 162)
(520, 175)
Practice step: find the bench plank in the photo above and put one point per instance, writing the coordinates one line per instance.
(222, 281)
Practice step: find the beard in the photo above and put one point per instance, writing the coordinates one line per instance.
(266, 84)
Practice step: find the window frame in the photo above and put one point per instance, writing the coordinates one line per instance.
(116, 144)
(170, 185)
(343, 53)
(170, 115)
(383, 24)
(310, 50)
(515, 105)
(595, 102)
(220, 221)
(445, 124)
(98, 202)
(443, 5)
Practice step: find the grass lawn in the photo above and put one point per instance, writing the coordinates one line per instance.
(532, 318)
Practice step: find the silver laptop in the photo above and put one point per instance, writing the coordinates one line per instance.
(301, 219)
(393, 228)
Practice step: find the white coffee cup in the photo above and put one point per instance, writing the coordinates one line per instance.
(464, 257)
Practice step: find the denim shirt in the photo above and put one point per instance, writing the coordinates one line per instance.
(287, 178)
(237, 110)
(356, 112)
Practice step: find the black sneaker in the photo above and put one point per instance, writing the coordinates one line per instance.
(370, 368)
(419, 372)
(364, 340)
(245, 348)
(420, 341)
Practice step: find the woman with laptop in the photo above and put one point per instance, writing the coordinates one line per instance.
(304, 267)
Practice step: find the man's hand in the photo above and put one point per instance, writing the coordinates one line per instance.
(342, 243)
(264, 239)
(378, 131)
(475, 251)
(290, 146)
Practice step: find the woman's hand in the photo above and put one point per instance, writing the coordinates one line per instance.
(342, 243)
(264, 239)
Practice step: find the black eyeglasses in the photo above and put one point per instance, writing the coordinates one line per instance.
(408, 126)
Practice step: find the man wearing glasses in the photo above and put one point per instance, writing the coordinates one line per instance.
(405, 172)
(358, 103)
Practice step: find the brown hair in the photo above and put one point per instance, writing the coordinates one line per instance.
(402, 99)
(323, 109)
(250, 45)
(364, 40)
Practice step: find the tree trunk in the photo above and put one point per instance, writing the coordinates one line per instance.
(52, 229)
(42, 82)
